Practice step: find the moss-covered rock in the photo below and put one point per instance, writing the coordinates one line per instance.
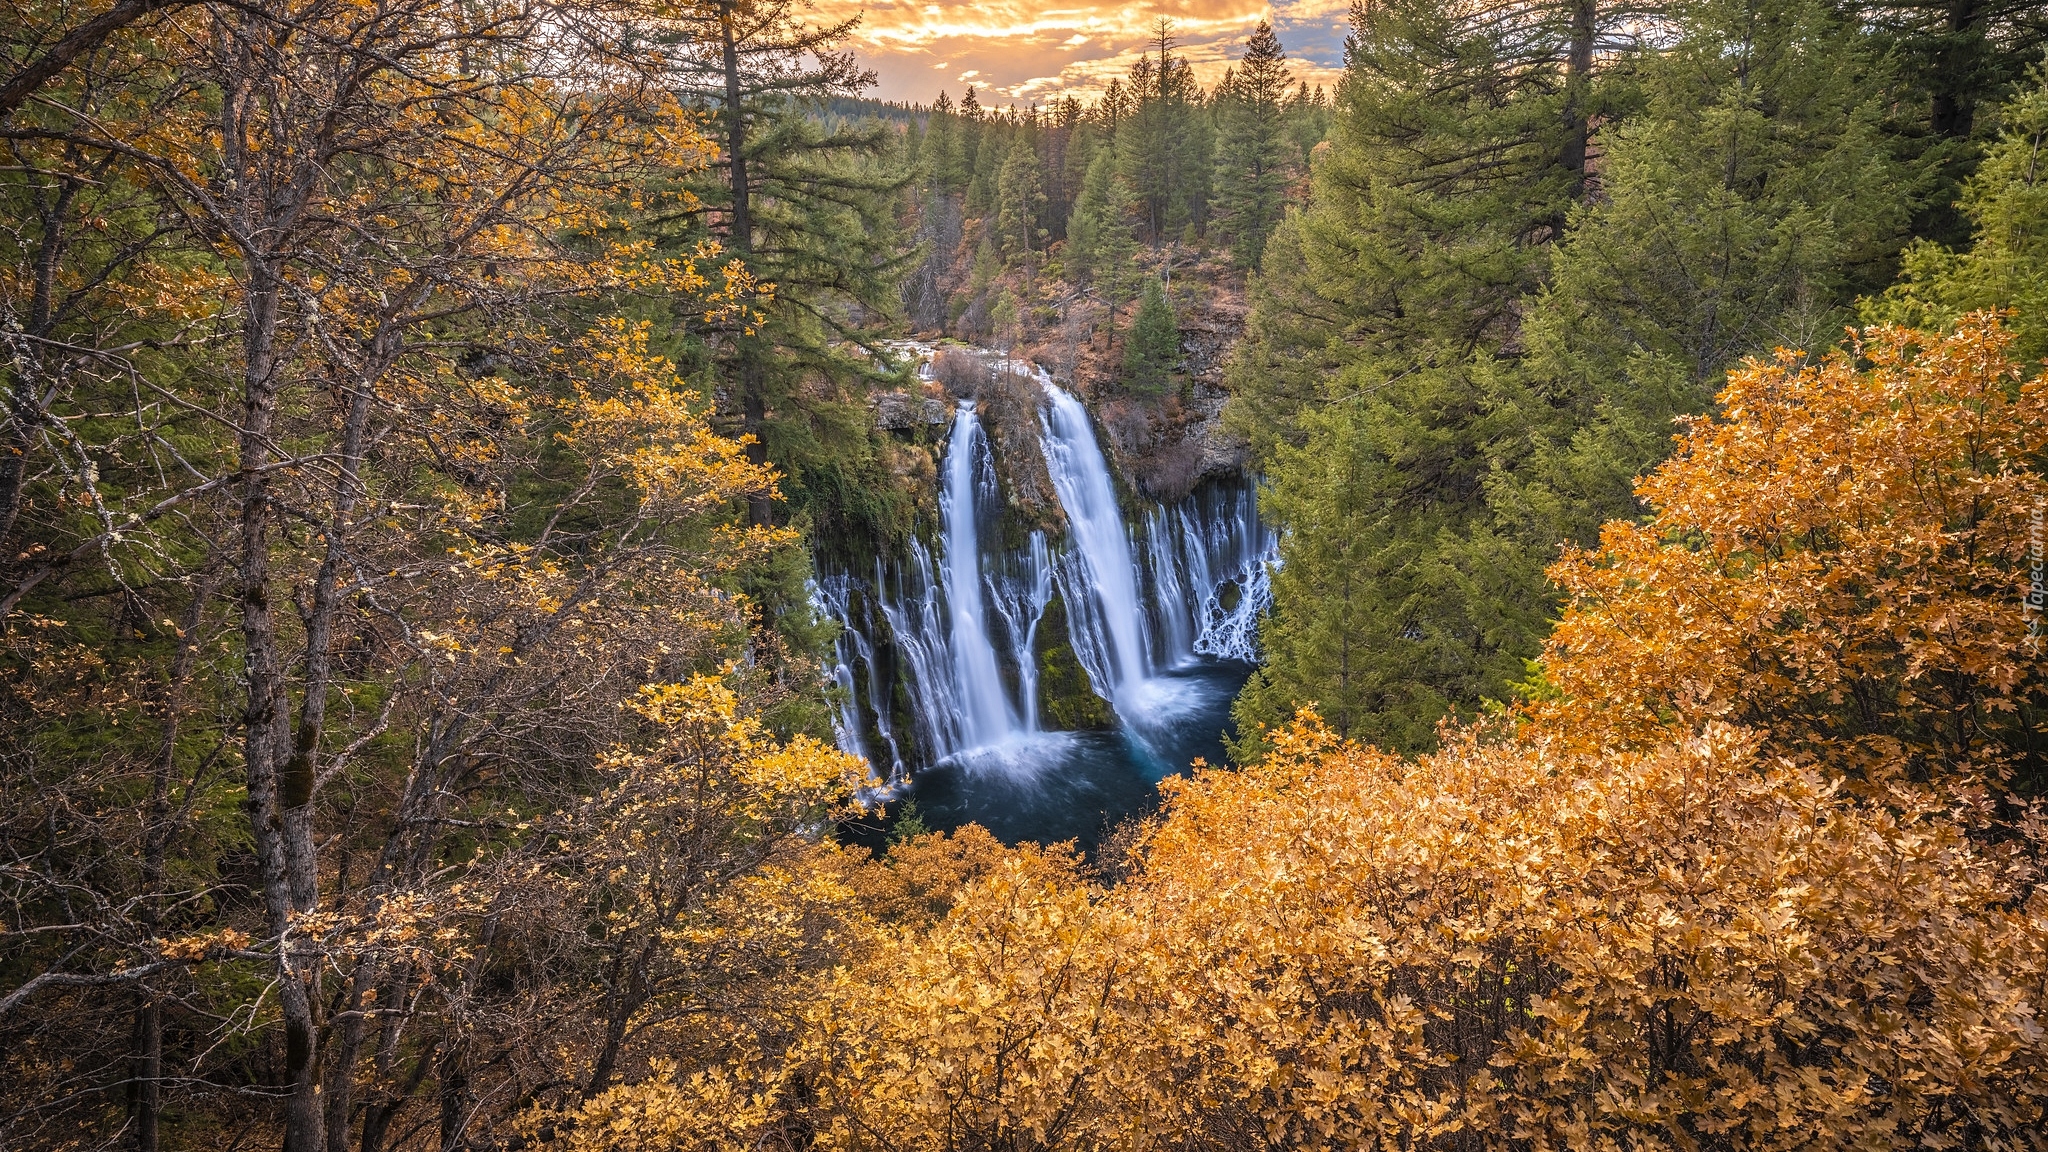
(1066, 701)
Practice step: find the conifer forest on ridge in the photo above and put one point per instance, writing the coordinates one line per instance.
(573, 581)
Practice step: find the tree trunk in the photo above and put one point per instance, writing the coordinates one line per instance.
(282, 829)
(1956, 63)
(145, 1070)
(752, 378)
(1577, 99)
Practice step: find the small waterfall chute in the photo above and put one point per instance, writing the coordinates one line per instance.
(986, 716)
(1102, 600)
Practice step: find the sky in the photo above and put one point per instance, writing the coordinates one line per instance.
(1021, 52)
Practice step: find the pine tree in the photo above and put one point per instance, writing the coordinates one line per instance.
(1308, 119)
(1153, 346)
(1382, 322)
(2007, 265)
(1099, 242)
(1164, 143)
(1062, 174)
(945, 154)
(993, 148)
(1115, 106)
(806, 207)
(1745, 205)
(1348, 631)
(1019, 196)
(1250, 113)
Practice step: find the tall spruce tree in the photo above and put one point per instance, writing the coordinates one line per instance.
(1251, 146)
(809, 208)
(1746, 201)
(1381, 324)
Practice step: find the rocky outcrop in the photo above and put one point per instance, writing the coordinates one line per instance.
(1066, 701)
(901, 411)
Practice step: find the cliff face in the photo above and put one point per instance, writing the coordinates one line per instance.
(1162, 446)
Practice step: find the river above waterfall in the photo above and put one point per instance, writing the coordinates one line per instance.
(1041, 676)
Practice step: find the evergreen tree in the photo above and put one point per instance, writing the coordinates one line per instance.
(993, 148)
(1099, 242)
(945, 148)
(1164, 143)
(1114, 108)
(1745, 205)
(2007, 266)
(1250, 113)
(1062, 175)
(1348, 633)
(1019, 196)
(1153, 346)
(1307, 123)
(809, 209)
(1382, 322)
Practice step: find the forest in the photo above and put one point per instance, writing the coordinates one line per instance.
(513, 514)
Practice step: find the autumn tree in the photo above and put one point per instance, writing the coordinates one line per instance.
(398, 505)
(1836, 561)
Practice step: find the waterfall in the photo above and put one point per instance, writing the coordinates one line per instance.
(1102, 587)
(945, 635)
(1211, 564)
(986, 717)
(1021, 596)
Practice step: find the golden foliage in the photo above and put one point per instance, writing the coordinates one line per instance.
(1496, 945)
(914, 885)
(1839, 559)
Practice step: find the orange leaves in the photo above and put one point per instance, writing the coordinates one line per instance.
(1337, 948)
(1838, 559)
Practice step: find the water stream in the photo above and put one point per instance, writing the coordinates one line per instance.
(938, 658)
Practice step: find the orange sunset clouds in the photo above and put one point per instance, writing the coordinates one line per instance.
(1025, 53)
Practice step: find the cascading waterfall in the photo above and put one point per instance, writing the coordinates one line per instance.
(1211, 561)
(1021, 594)
(986, 716)
(948, 642)
(1102, 584)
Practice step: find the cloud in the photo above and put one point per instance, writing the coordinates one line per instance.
(1024, 53)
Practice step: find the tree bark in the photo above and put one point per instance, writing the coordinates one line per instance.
(1577, 103)
(17, 88)
(752, 377)
(1954, 109)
